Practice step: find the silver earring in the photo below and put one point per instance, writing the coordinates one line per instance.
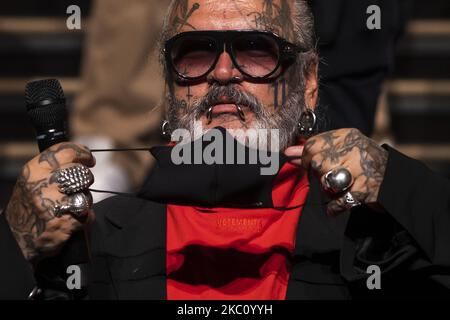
(307, 124)
(165, 129)
(241, 113)
(209, 115)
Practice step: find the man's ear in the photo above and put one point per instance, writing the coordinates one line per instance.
(312, 83)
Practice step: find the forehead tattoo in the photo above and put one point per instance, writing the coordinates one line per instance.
(275, 16)
(271, 15)
(182, 13)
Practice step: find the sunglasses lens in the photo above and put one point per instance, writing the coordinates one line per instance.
(256, 55)
(193, 56)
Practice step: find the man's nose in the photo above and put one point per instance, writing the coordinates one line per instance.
(224, 71)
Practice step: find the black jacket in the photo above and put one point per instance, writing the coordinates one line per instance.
(410, 243)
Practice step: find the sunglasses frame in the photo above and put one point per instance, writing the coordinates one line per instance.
(224, 39)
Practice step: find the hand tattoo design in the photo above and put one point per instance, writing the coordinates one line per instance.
(31, 207)
(341, 148)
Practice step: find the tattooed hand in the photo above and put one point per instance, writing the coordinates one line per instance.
(350, 149)
(30, 211)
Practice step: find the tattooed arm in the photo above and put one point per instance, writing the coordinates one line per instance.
(30, 210)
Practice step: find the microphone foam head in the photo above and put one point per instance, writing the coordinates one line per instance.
(42, 90)
(45, 103)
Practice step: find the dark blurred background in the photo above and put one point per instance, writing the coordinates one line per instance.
(413, 113)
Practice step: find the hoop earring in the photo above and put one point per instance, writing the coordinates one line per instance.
(209, 115)
(165, 129)
(241, 113)
(307, 124)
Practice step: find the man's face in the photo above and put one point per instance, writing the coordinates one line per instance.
(263, 101)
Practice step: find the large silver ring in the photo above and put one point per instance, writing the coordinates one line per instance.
(338, 180)
(77, 206)
(74, 179)
(350, 201)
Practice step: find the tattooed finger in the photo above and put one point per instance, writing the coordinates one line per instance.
(66, 153)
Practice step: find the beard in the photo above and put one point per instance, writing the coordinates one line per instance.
(284, 118)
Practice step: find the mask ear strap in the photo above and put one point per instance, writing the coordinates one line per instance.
(117, 150)
(114, 192)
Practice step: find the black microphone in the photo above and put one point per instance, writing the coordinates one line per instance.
(46, 107)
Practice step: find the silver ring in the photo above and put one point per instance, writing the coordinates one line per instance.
(338, 180)
(77, 206)
(74, 179)
(350, 201)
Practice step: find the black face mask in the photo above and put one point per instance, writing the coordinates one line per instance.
(211, 185)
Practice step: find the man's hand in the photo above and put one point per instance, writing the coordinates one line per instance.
(30, 212)
(349, 149)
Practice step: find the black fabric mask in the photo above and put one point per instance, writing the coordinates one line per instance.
(210, 185)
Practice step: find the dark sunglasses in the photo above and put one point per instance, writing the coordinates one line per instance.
(256, 54)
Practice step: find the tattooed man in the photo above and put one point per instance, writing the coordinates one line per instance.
(342, 218)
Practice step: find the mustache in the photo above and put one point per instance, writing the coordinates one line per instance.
(216, 95)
